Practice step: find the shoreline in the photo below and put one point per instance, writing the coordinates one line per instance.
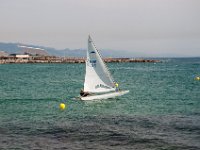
(54, 59)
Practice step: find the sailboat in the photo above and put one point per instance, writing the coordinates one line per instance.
(98, 81)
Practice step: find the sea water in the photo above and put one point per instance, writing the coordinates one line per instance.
(161, 111)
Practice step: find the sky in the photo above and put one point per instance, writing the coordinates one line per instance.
(146, 27)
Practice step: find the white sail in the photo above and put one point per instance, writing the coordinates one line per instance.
(97, 78)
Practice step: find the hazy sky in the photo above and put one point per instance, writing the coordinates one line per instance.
(150, 27)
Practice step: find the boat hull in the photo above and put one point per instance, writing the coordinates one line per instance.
(104, 96)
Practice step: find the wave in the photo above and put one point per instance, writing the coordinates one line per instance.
(105, 132)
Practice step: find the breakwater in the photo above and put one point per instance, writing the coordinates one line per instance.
(54, 59)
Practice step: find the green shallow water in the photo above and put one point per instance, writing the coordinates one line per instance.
(30, 95)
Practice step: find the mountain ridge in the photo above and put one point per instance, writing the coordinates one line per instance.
(14, 48)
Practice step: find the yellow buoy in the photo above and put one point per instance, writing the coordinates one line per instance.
(62, 106)
(197, 78)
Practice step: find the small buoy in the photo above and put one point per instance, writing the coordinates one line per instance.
(197, 78)
(62, 106)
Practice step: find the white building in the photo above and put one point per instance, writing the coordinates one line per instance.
(22, 56)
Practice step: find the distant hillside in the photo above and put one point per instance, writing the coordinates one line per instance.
(13, 48)
(9, 47)
(2, 53)
(33, 51)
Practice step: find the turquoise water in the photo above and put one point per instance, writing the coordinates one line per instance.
(30, 95)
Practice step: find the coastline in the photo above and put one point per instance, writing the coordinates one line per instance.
(54, 59)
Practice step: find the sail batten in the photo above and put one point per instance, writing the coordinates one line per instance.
(97, 78)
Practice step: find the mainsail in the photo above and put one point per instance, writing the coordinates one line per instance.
(97, 78)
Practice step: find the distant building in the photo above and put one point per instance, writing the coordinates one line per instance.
(22, 56)
(33, 51)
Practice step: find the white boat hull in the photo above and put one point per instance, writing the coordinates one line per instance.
(104, 96)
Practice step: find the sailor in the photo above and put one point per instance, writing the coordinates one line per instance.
(116, 86)
(83, 94)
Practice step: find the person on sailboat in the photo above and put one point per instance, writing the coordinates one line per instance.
(116, 86)
(84, 94)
